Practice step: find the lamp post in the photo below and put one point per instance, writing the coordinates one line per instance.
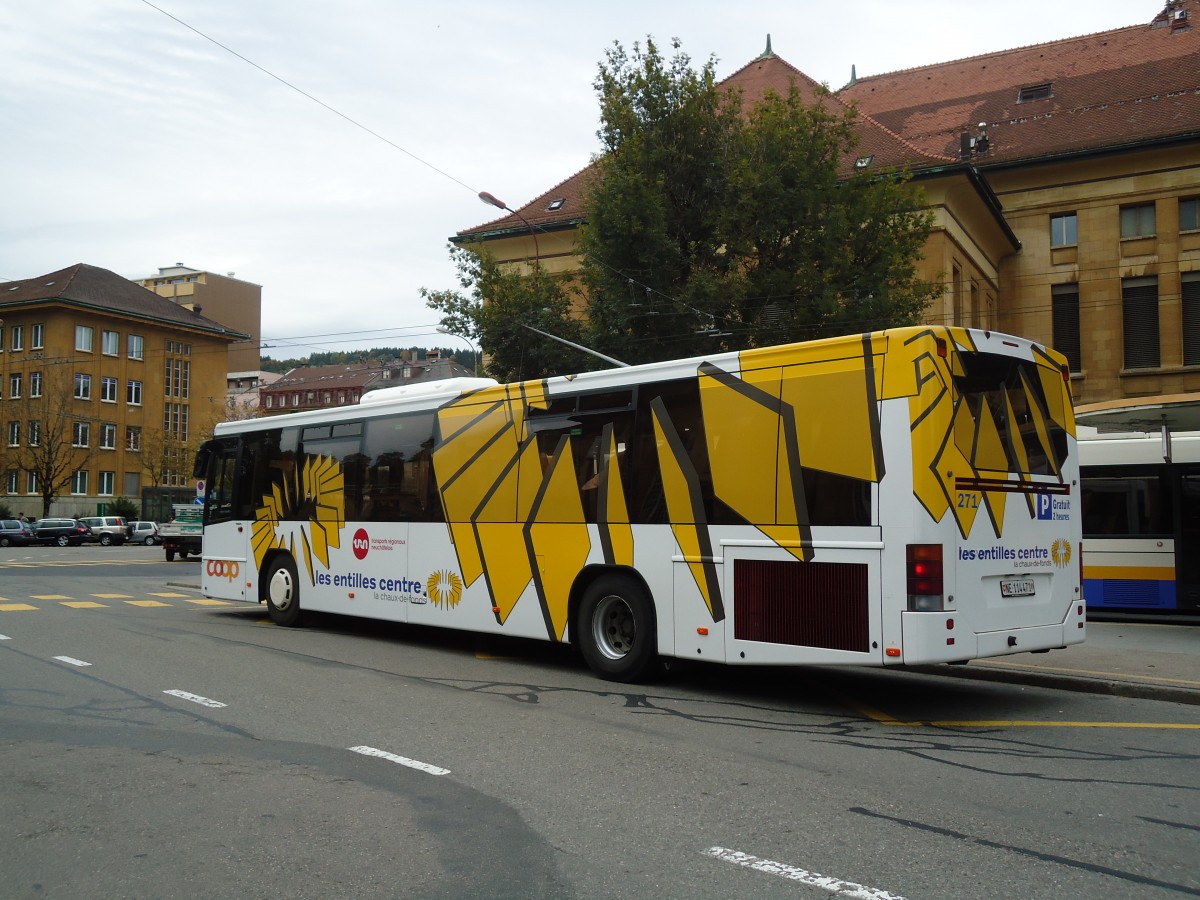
(493, 200)
(476, 355)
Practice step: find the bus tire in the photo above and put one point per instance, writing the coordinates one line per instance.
(615, 628)
(170, 556)
(282, 589)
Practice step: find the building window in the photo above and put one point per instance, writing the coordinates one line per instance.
(1035, 92)
(1189, 214)
(108, 390)
(110, 343)
(1139, 300)
(14, 434)
(270, 401)
(1064, 299)
(14, 386)
(83, 338)
(108, 436)
(1190, 295)
(35, 384)
(31, 483)
(79, 482)
(12, 481)
(1064, 230)
(1138, 221)
(83, 386)
(107, 481)
(133, 483)
(38, 336)
(136, 346)
(81, 434)
(133, 393)
(35, 433)
(186, 379)
(18, 337)
(133, 438)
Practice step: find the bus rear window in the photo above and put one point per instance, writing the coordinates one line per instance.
(1004, 422)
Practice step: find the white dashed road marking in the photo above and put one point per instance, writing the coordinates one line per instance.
(402, 760)
(72, 660)
(792, 873)
(196, 698)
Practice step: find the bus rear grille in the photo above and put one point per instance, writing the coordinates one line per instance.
(803, 604)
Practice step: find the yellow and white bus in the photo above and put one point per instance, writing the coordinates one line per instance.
(907, 496)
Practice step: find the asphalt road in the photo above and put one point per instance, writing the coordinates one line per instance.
(155, 745)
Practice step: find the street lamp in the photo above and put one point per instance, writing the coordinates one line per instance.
(476, 355)
(493, 200)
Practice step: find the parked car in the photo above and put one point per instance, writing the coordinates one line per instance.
(143, 533)
(15, 533)
(106, 529)
(63, 532)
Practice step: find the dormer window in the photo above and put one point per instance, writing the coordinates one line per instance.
(556, 204)
(863, 161)
(1035, 92)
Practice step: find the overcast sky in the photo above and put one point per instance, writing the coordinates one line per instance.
(131, 141)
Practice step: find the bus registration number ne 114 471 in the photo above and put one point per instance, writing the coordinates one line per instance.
(1017, 587)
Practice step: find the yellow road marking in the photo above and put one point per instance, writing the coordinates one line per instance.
(85, 604)
(155, 594)
(113, 596)
(146, 603)
(15, 607)
(50, 597)
(204, 602)
(82, 562)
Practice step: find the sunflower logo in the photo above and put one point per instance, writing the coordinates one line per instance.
(444, 588)
(307, 506)
(1060, 552)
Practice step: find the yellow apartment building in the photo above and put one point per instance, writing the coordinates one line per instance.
(235, 303)
(105, 389)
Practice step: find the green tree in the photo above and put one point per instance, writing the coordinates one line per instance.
(513, 300)
(710, 225)
(654, 260)
(816, 252)
(715, 226)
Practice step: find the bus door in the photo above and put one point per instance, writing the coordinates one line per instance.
(1187, 541)
(224, 568)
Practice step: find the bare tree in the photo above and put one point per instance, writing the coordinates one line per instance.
(51, 445)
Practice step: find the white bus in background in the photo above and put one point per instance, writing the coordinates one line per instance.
(1141, 525)
(907, 496)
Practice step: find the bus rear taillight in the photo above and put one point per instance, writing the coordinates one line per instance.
(925, 593)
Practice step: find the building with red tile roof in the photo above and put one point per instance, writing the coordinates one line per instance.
(1064, 181)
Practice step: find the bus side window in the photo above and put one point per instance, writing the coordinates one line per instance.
(397, 484)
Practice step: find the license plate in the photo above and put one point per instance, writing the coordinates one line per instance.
(1017, 587)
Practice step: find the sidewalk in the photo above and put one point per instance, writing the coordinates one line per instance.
(1126, 659)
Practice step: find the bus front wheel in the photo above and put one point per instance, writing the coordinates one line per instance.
(615, 629)
(283, 592)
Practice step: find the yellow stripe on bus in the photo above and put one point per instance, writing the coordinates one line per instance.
(1130, 573)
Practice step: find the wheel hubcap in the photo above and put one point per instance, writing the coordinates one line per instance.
(613, 627)
(280, 589)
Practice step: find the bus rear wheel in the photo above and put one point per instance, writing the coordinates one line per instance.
(615, 629)
(282, 589)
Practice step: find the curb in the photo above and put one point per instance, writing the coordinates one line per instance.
(1113, 687)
